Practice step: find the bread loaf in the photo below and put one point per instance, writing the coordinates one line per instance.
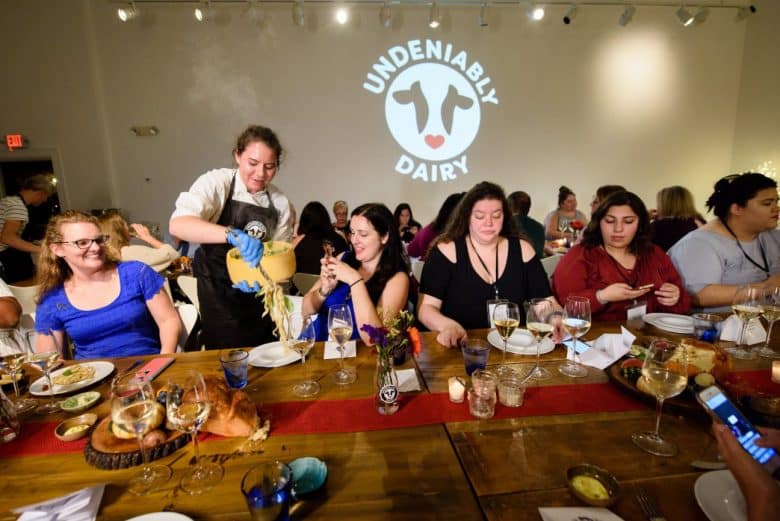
(233, 413)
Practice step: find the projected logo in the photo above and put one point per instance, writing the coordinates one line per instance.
(432, 108)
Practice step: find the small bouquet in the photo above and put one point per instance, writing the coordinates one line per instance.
(577, 225)
(396, 337)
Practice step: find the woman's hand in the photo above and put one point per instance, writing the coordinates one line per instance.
(769, 438)
(668, 294)
(451, 334)
(141, 231)
(621, 291)
(341, 270)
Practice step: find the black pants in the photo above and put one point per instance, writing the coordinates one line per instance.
(17, 265)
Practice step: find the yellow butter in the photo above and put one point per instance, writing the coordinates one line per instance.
(590, 487)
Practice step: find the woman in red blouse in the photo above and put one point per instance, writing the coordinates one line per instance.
(617, 267)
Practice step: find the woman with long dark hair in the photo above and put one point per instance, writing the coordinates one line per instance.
(407, 226)
(423, 239)
(314, 228)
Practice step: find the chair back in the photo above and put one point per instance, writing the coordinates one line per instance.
(549, 264)
(189, 286)
(188, 315)
(26, 296)
(304, 281)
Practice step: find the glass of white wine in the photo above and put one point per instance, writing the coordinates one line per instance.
(665, 371)
(11, 364)
(45, 361)
(134, 409)
(537, 319)
(747, 306)
(340, 327)
(576, 320)
(300, 338)
(770, 310)
(188, 407)
(506, 317)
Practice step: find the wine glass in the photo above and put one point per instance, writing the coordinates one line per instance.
(770, 310)
(300, 338)
(188, 408)
(576, 320)
(45, 361)
(747, 306)
(340, 327)
(506, 317)
(665, 371)
(134, 409)
(12, 360)
(538, 313)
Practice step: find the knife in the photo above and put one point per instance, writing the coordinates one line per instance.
(131, 367)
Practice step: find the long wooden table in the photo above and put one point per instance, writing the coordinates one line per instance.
(494, 469)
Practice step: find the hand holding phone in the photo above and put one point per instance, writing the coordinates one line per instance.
(646, 286)
(329, 249)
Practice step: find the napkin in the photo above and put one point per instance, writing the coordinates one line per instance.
(78, 506)
(332, 351)
(407, 380)
(608, 348)
(732, 328)
(577, 514)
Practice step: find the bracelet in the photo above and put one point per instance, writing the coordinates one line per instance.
(358, 280)
(228, 231)
(322, 293)
(601, 301)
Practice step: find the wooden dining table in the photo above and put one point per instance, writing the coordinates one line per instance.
(497, 469)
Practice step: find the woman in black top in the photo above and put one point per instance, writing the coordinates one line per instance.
(478, 258)
(407, 226)
(313, 228)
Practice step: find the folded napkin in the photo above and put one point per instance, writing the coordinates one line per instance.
(332, 350)
(79, 506)
(407, 380)
(608, 348)
(732, 328)
(577, 514)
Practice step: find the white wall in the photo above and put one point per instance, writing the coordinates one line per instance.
(648, 105)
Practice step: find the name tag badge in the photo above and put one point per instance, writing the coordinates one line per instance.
(637, 310)
(491, 306)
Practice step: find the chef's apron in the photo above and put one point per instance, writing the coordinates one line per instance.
(232, 318)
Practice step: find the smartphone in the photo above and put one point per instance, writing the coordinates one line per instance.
(646, 286)
(153, 367)
(724, 411)
(327, 246)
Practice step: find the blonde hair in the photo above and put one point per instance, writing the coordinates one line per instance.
(676, 202)
(52, 270)
(115, 227)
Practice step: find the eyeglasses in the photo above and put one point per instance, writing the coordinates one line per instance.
(83, 244)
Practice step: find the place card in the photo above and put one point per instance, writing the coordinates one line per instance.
(332, 351)
(407, 380)
(732, 328)
(577, 514)
(81, 505)
(608, 348)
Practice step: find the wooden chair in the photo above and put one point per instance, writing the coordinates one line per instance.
(189, 286)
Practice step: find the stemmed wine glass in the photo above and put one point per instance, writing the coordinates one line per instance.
(300, 338)
(134, 409)
(340, 327)
(188, 408)
(770, 310)
(747, 306)
(666, 372)
(576, 320)
(506, 317)
(538, 313)
(45, 361)
(11, 363)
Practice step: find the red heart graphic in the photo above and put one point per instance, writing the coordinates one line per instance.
(434, 141)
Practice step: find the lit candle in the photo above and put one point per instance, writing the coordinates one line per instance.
(457, 389)
(775, 373)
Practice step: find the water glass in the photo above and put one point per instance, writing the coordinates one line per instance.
(482, 395)
(510, 391)
(267, 489)
(235, 364)
(475, 354)
(706, 327)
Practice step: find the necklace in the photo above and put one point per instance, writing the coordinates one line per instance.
(493, 281)
(765, 267)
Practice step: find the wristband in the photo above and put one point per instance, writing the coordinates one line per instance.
(358, 280)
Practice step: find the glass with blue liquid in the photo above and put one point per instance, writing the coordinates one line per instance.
(235, 364)
(267, 488)
(475, 354)
(706, 327)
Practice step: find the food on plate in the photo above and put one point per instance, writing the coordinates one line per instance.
(124, 434)
(590, 487)
(76, 429)
(706, 358)
(74, 374)
(631, 369)
(703, 380)
(233, 413)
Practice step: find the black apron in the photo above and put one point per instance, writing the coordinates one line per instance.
(231, 318)
(16, 265)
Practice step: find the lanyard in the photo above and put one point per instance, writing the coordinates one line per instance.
(765, 267)
(620, 269)
(492, 280)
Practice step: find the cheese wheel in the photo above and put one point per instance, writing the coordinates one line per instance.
(278, 261)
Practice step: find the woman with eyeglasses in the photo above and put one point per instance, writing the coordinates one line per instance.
(108, 308)
(741, 246)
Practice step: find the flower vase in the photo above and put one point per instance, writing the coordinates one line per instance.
(386, 383)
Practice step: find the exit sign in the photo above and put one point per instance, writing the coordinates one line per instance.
(14, 141)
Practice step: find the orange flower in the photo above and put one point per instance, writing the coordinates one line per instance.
(414, 338)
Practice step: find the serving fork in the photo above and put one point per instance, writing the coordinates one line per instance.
(648, 505)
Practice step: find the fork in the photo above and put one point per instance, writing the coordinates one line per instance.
(648, 505)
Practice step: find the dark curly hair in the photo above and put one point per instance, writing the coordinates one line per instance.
(563, 193)
(641, 243)
(736, 189)
(458, 225)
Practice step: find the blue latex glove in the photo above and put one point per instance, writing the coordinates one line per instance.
(251, 249)
(244, 286)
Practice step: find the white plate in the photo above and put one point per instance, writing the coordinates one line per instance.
(719, 496)
(102, 369)
(272, 354)
(161, 516)
(521, 342)
(671, 322)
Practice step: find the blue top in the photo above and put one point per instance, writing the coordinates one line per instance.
(341, 295)
(125, 327)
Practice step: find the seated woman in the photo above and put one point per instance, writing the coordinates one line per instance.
(676, 216)
(158, 255)
(373, 274)
(741, 246)
(407, 226)
(108, 308)
(423, 239)
(617, 267)
(315, 227)
(558, 222)
(478, 258)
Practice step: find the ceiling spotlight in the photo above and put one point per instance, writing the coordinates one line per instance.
(535, 13)
(126, 14)
(570, 14)
(744, 12)
(204, 12)
(254, 12)
(342, 15)
(483, 15)
(701, 15)
(298, 16)
(434, 18)
(627, 16)
(386, 15)
(685, 16)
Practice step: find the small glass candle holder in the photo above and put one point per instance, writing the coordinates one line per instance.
(457, 388)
